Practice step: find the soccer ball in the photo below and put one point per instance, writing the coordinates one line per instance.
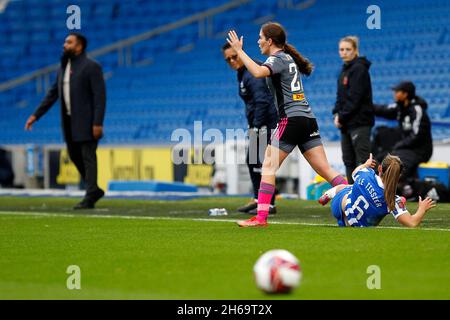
(277, 271)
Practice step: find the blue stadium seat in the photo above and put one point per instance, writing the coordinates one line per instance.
(166, 90)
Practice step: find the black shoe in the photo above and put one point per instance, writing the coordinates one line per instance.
(252, 205)
(85, 204)
(95, 196)
(272, 210)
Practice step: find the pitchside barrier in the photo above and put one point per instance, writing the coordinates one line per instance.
(49, 167)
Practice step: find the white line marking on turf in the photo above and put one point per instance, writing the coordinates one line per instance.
(67, 215)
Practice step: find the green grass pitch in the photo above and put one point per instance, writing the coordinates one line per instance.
(130, 249)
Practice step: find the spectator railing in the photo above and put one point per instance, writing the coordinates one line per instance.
(123, 47)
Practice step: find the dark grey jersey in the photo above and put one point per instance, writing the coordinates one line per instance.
(285, 82)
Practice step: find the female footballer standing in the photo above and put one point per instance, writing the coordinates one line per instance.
(297, 125)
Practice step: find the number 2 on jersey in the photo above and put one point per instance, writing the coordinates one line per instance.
(295, 84)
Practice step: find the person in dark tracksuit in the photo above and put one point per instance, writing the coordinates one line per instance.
(262, 117)
(80, 87)
(416, 144)
(353, 112)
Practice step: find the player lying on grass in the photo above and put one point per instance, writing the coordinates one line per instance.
(372, 197)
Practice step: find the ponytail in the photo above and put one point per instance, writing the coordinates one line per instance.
(276, 32)
(304, 66)
(391, 170)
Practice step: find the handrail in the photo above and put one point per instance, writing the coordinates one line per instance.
(205, 30)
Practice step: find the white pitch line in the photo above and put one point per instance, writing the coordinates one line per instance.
(67, 215)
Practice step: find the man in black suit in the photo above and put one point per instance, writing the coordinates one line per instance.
(81, 89)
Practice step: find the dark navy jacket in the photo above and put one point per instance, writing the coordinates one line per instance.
(354, 104)
(259, 104)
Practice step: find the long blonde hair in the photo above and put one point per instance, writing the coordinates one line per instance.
(391, 168)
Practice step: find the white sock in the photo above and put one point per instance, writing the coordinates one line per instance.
(331, 192)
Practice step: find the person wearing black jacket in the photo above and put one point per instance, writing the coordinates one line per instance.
(353, 112)
(80, 87)
(6, 170)
(262, 117)
(416, 143)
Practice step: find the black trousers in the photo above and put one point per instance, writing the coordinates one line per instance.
(84, 155)
(355, 146)
(411, 161)
(256, 149)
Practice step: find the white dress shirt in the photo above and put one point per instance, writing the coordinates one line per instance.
(66, 87)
